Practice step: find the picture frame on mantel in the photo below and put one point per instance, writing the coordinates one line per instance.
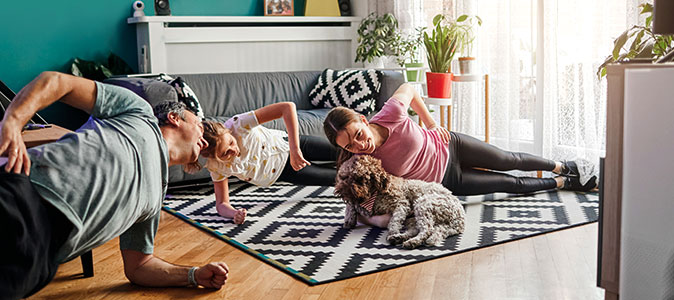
(279, 8)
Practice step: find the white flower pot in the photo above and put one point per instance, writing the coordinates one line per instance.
(467, 65)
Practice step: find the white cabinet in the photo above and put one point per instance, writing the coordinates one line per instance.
(647, 234)
(636, 243)
(183, 44)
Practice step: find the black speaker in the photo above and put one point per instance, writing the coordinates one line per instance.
(344, 7)
(162, 8)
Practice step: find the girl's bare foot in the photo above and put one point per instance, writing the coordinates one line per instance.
(227, 211)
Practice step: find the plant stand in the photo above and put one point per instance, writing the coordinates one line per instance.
(447, 102)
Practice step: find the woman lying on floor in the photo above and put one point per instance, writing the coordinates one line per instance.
(435, 154)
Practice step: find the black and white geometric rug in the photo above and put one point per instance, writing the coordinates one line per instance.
(298, 229)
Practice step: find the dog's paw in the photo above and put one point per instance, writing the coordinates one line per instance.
(349, 225)
(395, 238)
(411, 244)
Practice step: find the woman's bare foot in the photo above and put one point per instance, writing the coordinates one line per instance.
(227, 211)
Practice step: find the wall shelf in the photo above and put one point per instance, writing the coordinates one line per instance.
(239, 19)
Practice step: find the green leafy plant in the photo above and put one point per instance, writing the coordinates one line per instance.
(465, 27)
(408, 48)
(441, 44)
(99, 71)
(377, 36)
(644, 43)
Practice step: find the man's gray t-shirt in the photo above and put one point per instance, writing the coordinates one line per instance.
(109, 177)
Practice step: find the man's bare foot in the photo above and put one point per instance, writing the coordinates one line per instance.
(227, 211)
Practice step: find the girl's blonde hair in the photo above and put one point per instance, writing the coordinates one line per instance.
(213, 134)
(337, 120)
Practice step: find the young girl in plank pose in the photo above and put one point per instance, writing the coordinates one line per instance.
(261, 156)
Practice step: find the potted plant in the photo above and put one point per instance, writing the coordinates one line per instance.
(378, 37)
(409, 54)
(465, 30)
(645, 44)
(440, 50)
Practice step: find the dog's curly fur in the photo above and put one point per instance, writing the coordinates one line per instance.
(431, 211)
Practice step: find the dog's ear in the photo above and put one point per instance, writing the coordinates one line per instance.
(383, 177)
(383, 180)
(360, 191)
(379, 178)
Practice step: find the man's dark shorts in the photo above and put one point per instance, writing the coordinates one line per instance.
(31, 232)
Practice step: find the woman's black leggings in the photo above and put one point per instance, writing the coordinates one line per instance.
(467, 153)
(313, 149)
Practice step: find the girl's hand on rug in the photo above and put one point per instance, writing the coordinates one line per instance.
(226, 210)
(240, 216)
(212, 275)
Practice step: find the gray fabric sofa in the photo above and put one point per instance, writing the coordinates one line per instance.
(226, 94)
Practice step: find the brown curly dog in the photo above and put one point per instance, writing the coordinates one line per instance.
(431, 211)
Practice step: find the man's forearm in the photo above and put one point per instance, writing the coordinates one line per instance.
(156, 272)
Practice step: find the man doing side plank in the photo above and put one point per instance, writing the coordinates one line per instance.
(107, 179)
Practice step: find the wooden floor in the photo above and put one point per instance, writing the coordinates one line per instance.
(558, 265)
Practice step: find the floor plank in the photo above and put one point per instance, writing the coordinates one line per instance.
(558, 265)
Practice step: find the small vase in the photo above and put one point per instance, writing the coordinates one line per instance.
(467, 65)
(414, 75)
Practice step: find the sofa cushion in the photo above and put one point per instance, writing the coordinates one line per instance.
(147, 88)
(355, 89)
(185, 93)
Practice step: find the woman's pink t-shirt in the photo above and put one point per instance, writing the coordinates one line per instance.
(410, 151)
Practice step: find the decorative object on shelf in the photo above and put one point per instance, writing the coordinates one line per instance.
(465, 31)
(344, 8)
(99, 71)
(378, 37)
(355, 89)
(138, 7)
(409, 54)
(162, 8)
(321, 8)
(646, 45)
(279, 8)
(441, 46)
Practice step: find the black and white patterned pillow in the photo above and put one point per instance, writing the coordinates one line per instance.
(185, 94)
(355, 89)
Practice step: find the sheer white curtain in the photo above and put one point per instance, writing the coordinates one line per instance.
(578, 34)
(558, 110)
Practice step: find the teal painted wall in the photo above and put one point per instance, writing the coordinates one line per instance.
(38, 36)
